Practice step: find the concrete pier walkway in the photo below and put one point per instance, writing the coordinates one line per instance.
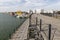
(55, 35)
(21, 33)
(55, 24)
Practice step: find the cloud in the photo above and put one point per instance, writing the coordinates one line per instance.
(7, 9)
(33, 4)
(9, 5)
(13, 5)
(54, 6)
(9, 2)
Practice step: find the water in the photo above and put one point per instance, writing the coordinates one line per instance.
(8, 24)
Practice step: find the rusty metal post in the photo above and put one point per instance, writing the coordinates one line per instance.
(56, 15)
(49, 37)
(36, 21)
(30, 20)
(40, 24)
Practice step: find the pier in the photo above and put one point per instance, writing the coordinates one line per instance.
(50, 28)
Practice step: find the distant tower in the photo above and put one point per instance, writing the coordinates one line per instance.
(35, 11)
(53, 13)
(30, 11)
(42, 10)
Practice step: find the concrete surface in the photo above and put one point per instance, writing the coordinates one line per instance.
(21, 33)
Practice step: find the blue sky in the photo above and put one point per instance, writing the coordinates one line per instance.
(24, 5)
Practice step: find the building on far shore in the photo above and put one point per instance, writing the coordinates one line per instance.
(19, 14)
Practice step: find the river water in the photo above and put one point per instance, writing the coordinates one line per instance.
(8, 24)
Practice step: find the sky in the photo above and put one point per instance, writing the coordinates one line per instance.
(25, 5)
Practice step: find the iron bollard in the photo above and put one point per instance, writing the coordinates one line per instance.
(36, 21)
(30, 20)
(40, 24)
(49, 37)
